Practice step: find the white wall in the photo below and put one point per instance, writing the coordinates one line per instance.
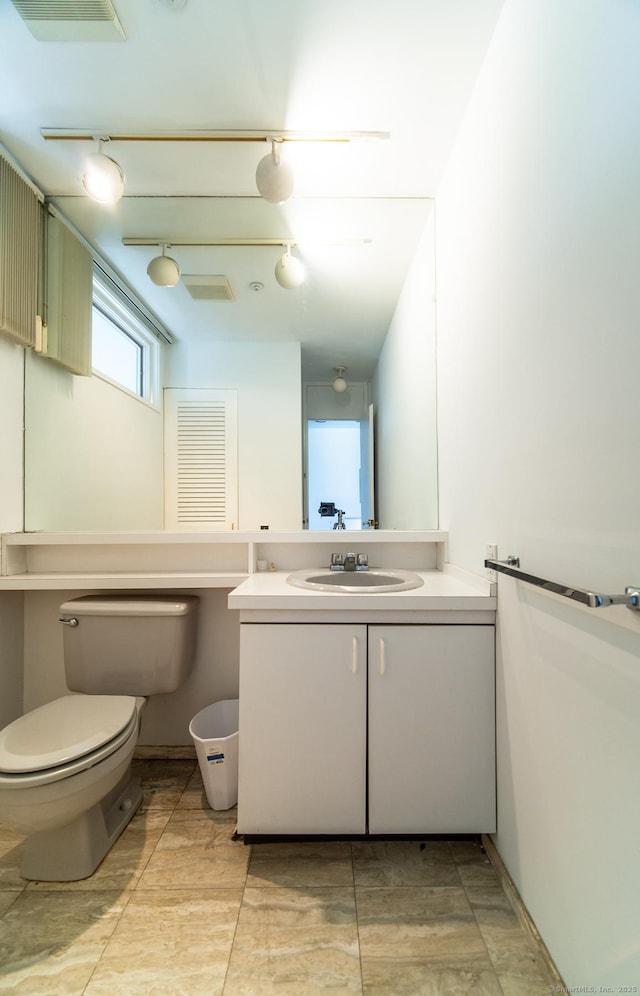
(267, 377)
(11, 419)
(404, 398)
(538, 267)
(94, 456)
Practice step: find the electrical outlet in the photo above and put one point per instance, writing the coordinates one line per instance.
(491, 553)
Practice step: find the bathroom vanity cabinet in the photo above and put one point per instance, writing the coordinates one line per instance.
(321, 749)
(354, 728)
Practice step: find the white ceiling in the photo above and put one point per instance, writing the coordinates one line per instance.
(405, 68)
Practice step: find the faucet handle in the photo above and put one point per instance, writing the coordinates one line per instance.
(337, 559)
(363, 560)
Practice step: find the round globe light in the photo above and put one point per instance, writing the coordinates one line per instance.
(164, 271)
(102, 178)
(274, 178)
(339, 385)
(289, 271)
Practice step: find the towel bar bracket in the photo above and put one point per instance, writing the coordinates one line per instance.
(632, 591)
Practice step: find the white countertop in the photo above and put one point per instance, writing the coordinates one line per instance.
(441, 591)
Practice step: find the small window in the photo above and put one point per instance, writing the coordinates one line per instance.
(125, 347)
(116, 354)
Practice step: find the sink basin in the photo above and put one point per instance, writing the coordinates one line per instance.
(360, 582)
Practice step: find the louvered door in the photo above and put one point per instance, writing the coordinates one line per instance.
(201, 472)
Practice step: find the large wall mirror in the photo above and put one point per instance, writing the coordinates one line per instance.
(94, 454)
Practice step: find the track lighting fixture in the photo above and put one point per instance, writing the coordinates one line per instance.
(289, 270)
(102, 177)
(163, 270)
(338, 383)
(274, 177)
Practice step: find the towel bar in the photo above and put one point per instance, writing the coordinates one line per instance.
(592, 599)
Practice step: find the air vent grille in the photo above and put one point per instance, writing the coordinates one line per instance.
(65, 10)
(212, 287)
(70, 20)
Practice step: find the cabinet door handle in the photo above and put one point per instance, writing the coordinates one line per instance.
(382, 663)
(354, 655)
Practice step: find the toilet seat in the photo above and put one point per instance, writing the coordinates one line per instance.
(63, 737)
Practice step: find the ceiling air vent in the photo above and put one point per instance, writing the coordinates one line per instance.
(208, 288)
(70, 20)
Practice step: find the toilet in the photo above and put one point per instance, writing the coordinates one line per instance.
(65, 780)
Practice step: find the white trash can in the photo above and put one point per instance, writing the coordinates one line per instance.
(215, 734)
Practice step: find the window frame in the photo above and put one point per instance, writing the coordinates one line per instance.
(135, 358)
(116, 308)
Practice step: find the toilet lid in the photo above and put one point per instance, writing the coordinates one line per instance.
(63, 731)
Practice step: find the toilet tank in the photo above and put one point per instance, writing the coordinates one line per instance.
(128, 644)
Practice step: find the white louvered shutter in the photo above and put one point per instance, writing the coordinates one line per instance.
(20, 234)
(201, 462)
(69, 300)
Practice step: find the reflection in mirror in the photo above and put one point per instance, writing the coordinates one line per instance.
(338, 464)
(404, 394)
(94, 454)
(333, 475)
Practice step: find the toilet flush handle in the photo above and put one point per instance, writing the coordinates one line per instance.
(73, 622)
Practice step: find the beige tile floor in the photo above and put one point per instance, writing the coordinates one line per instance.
(180, 907)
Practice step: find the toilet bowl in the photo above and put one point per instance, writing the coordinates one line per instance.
(71, 810)
(65, 777)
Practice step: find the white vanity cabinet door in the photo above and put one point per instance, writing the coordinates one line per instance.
(302, 731)
(431, 729)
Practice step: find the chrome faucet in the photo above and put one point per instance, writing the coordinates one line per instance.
(349, 562)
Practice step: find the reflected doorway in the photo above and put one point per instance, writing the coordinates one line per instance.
(338, 471)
